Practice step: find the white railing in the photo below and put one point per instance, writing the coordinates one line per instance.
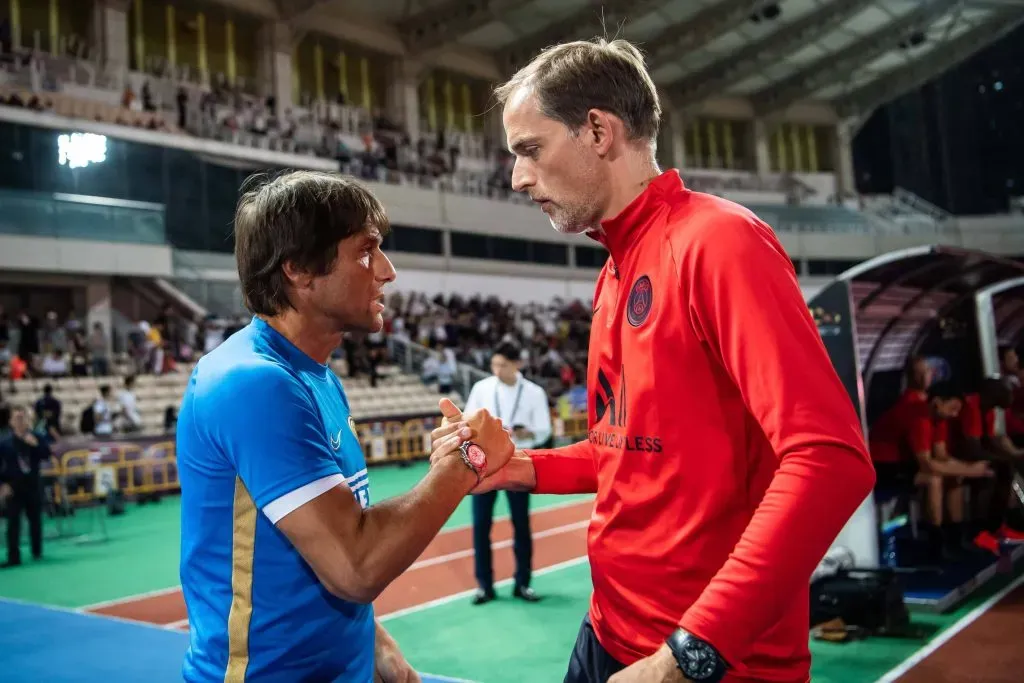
(410, 356)
(920, 205)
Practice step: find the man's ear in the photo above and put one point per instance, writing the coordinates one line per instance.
(600, 130)
(297, 278)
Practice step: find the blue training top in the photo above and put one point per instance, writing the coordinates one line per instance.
(261, 420)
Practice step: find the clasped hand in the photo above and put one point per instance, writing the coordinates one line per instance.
(480, 427)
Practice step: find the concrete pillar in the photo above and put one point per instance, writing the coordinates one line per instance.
(843, 144)
(99, 308)
(762, 160)
(275, 65)
(110, 30)
(403, 95)
(494, 128)
(677, 131)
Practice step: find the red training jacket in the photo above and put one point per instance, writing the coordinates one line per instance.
(905, 430)
(725, 453)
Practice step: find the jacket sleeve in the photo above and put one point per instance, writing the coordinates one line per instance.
(569, 469)
(745, 303)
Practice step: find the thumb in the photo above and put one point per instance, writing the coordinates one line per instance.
(449, 409)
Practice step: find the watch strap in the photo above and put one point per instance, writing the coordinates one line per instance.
(697, 659)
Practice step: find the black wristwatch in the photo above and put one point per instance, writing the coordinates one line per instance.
(698, 660)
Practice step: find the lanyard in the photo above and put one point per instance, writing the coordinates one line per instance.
(515, 406)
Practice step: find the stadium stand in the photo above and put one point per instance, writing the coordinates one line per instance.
(127, 129)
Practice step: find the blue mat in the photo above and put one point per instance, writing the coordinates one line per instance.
(61, 646)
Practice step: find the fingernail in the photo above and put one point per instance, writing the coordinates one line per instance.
(465, 432)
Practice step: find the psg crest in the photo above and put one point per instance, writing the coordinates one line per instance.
(641, 298)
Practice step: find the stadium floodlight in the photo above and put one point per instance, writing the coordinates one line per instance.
(78, 150)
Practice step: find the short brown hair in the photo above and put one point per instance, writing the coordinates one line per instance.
(299, 216)
(572, 78)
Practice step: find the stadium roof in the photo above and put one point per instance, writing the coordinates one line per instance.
(897, 295)
(852, 54)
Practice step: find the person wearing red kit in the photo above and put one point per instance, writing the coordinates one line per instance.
(724, 451)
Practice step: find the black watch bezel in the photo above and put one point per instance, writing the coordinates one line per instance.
(697, 659)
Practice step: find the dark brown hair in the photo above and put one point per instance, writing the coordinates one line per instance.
(299, 216)
(572, 78)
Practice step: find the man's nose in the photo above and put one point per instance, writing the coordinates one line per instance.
(387, 271)
(522, 177)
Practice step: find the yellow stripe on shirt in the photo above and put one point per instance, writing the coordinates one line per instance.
(243, 546)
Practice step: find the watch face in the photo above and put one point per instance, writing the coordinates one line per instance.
(476, 456)
(701, 662)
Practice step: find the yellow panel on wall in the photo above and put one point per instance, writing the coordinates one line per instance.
(172, 37)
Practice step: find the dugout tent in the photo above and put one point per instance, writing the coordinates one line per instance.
(873, 317)
(1000, 319)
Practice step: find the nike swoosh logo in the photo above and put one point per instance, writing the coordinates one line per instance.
(336, 444)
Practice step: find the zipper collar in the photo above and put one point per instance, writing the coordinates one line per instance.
(619, 233)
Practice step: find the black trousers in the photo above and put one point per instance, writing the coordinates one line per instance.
(590, 662)
(522, 543)
(28, 500)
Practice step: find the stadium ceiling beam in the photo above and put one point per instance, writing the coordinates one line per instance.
(290, 10)
(942, 57)
(749, 60)
(995, 4)
(838, 66)
(444, 23)
(697, 31)
(573, 27)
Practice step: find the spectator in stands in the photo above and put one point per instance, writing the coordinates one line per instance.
(128, 407)
(99, 350)
(28, 340)
(79, 353)
(910, 452)
(5, 415)
(48, 411)
(522, 406)
(103, 413)
(5, 330)
(155, 349)
(18, 368)
(446, 369)
(55, 364)
(170, 419)
(54, 336)
(21, 454)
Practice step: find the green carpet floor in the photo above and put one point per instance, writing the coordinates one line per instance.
(511, 641)
(142, 550)
(504, 630)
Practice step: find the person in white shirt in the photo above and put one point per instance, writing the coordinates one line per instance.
(103, 413)
(131, 420)
(523, 408)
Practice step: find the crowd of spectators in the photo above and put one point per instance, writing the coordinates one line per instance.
(364, 143)
(553, 336)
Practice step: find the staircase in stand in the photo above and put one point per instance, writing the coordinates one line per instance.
(903, 210)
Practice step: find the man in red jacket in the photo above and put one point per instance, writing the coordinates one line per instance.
(724, 451)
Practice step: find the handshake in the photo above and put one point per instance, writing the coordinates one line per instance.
(484, 430)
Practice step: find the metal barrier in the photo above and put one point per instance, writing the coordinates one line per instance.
(87, 475)
(386, 441)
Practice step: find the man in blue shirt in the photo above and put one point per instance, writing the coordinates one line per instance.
(282, 551)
